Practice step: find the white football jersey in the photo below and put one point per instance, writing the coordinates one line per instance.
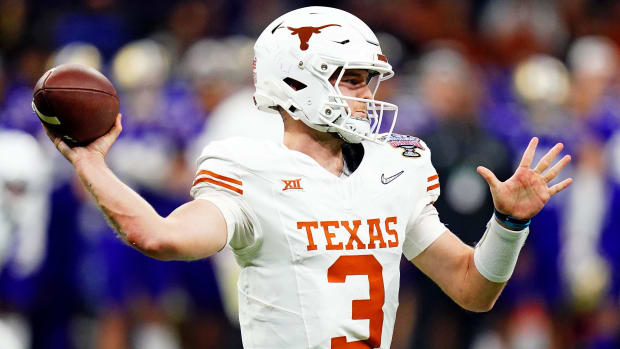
(320, 253)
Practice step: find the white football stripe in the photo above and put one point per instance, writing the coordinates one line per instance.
(47, 119)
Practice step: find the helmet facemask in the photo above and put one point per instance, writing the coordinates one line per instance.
(352, 128)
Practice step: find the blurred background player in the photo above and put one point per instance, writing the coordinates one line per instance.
(449, 98)
(24, 219)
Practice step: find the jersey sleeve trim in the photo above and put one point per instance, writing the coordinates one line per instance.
(242, 227)
(218, 176)
(208, 176)
(432, 182)
(226, 213)
(427, 228)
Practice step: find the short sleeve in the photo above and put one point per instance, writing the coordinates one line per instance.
(422, 231)
(219, 180)
(424, 226)
(431, 178)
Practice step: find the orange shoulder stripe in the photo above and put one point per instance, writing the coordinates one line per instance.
(434, 186)
(218, 176)
(221, 184)
(433, 177)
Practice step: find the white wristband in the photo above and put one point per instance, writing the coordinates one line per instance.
(495, 256)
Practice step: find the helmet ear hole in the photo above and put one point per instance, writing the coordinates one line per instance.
(294, 84)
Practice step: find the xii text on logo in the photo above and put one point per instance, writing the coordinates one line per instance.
(292, 184)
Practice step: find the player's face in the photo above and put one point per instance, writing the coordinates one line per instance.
(355, 83)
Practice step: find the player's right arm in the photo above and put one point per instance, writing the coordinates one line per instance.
(194, 230)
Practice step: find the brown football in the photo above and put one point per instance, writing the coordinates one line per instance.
(75, 102)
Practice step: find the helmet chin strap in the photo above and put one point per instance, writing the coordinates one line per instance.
(357, 126)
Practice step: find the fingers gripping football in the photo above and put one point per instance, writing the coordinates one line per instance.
(525, 193)
(103, 143)
(99, 147)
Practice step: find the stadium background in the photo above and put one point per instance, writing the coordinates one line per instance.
(475, 79)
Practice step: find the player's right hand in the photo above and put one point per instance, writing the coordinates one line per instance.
(95, 150)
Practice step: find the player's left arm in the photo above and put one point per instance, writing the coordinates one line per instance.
(474, 277)
(450, 264)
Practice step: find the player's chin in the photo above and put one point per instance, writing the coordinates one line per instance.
(360, 115)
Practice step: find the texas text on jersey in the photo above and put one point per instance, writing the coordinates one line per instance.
(320, 253)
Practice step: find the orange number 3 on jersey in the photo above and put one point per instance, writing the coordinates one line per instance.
(371, 308)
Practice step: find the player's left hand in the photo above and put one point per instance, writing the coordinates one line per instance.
(525, 193)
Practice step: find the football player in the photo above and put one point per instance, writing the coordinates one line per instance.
(319, 222)
(24, 220)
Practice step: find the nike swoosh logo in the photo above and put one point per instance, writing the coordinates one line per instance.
(386, 180)
(48, 119)
(342, 42)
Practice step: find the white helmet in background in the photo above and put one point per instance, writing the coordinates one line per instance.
(295, 57)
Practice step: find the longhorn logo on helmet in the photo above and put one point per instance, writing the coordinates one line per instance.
(305, 33)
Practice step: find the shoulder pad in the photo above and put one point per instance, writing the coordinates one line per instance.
(247, 153)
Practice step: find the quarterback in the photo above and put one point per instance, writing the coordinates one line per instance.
(319, 221)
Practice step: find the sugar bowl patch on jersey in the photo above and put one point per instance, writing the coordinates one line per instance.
(409, 144)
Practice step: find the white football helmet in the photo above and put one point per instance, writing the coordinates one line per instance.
(295, 57)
